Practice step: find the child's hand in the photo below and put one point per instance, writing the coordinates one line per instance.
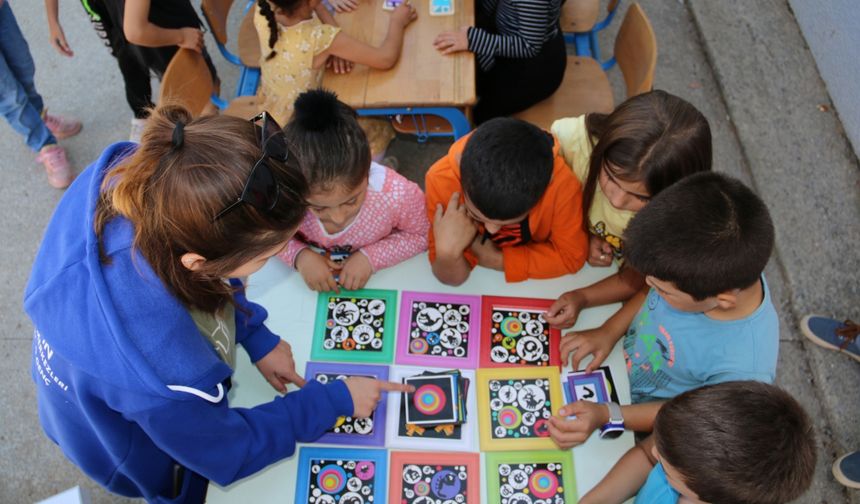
(450, 42)
(453, 229)
(191, 38)
(316, 271)
(279, 368)
(403, 14)
(488, 253)
(344, 5)
(366, 393)
(599, 252)
(339, 65)
(568, 433)
(58, 40)
(564, 312)
(355, 271)
(594, 342)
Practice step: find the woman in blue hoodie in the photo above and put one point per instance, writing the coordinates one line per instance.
(136, 325)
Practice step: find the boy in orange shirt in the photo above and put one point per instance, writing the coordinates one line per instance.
(504, 198)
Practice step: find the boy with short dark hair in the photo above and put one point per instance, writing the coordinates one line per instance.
(504, 198)
(702, 245)
(740, 441)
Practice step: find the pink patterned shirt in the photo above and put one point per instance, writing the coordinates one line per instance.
(391, 226)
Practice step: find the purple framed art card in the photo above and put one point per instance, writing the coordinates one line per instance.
(348, 430)
(439, 330)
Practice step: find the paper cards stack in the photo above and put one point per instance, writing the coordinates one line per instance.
(439, 398)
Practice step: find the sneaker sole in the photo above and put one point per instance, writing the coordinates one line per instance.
(840, 476)
(61, 136)
(811, 336)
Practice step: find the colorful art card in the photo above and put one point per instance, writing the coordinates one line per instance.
(389, 5)
(341, 476)
(355, 326)
(537, 477)
(514, 407)
(348, 430)
(514, 332)
(434, 477)
(399, 433)
(436, 400)
(440, 330)
(441, 7)
(597, 386)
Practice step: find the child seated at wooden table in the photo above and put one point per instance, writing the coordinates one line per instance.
(520, 52)
(740, 441)
(624, 159)
(702, 245)
(300, 38)
(362, 216)
(503, 198)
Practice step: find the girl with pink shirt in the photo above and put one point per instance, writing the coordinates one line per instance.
(362, 216)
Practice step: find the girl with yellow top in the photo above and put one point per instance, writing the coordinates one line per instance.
(623, 159)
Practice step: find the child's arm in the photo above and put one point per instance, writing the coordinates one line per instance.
(599, 342)
(452, 232)
(58, 36)
(138, 30)
(324, 15)
(525, 44)
(383, 57)
(625, 478)
(570, 432)
(612, 289)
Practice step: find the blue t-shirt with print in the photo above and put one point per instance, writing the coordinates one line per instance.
(657, 489)
(668, 352)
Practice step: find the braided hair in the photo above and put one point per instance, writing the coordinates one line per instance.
(287, 6)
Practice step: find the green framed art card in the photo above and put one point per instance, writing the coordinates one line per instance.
(531, 477)
(355, 326)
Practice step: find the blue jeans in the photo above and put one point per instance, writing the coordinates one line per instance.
(19, 102)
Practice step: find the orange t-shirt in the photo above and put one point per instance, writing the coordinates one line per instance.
(555, 243)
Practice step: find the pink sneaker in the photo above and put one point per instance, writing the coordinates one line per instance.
(62, 127)
(56, 165)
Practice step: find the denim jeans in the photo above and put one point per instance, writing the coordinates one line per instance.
(19, 102)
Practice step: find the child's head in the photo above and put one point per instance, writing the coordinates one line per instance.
(736, 442)
(704, 237)
(184, 173)
(505, 168)
(333, 154)
(648, 143)
(288, 8)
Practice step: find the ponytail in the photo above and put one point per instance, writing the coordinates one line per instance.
(266, 10)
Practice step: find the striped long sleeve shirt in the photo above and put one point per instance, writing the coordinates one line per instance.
(522, 28)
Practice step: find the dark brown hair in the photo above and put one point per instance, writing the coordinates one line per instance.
(655, 137)
(288, 6)
(171, 194)
(741, 442)
(328, 141)
(707, 234)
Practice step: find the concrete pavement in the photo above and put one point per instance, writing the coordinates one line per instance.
(745, 64)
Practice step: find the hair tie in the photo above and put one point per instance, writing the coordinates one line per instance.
(178, 135)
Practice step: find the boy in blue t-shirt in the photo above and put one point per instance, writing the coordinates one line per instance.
(739, 441)
(706, 316)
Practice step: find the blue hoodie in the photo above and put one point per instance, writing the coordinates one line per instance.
(127, 386)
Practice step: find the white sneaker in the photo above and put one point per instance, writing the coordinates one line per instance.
(137, 126)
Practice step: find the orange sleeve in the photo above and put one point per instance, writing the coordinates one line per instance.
(558, 218)
(440, 183)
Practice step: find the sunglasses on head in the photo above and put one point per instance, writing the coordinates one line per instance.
(261, 190)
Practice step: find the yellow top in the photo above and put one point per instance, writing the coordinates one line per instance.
(604, 220)
(291, 70)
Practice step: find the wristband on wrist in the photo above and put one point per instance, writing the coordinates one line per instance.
(615, 426)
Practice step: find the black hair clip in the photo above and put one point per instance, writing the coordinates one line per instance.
(178, 135)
